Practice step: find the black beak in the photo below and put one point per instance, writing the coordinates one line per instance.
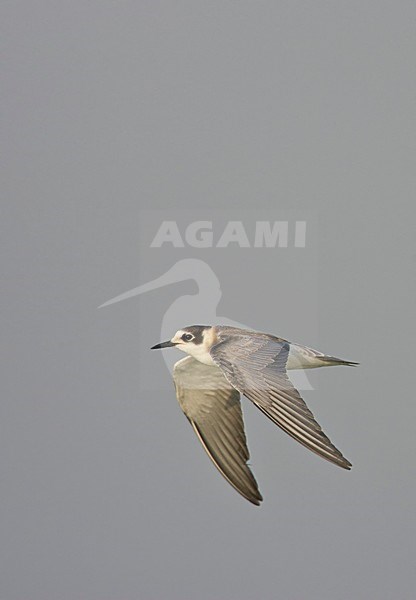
(168, 344)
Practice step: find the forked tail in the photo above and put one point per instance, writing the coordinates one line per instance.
(333, 361)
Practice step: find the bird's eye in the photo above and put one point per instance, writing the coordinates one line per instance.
(187, 337)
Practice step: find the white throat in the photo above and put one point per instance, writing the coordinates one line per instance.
(199, 352)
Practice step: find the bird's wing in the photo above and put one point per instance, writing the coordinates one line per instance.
(213, 408)
(255, 364)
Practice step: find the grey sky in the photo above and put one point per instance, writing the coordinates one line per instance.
(296, 110)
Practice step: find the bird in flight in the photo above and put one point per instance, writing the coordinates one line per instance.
(225, 362)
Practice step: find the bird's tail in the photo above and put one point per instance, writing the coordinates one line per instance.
(302, 357)
(333, 361)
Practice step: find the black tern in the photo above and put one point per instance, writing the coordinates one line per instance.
(225, 362)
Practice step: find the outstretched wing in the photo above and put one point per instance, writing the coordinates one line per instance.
(255, 364)
(213, 408)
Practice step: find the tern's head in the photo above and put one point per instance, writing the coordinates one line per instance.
(195, 340)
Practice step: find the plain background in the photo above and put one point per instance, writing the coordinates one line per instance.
(114, 107)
